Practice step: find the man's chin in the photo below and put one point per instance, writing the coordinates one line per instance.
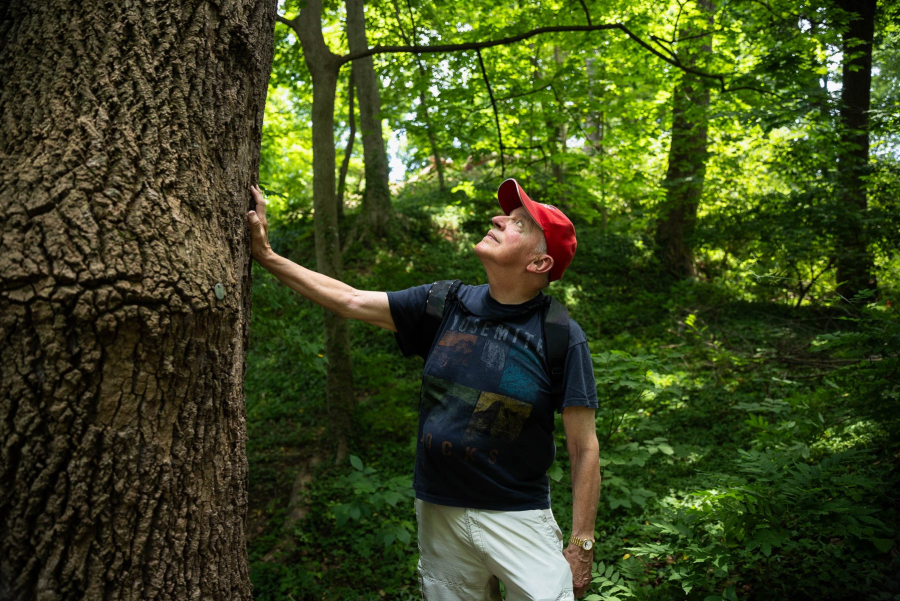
(481, 250)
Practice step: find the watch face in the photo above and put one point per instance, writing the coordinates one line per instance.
(588, 545)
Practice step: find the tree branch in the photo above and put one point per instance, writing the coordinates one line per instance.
(574, 118)
(530, 34)
(528, 93)
(412, 20)
(496, 114)
(587, 13)
(504, 98)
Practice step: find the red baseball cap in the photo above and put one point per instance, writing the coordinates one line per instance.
(558, 230)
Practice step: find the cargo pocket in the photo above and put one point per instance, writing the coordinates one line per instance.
(554, 534)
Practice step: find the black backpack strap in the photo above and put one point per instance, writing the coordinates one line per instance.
(434, 307)
(556, 335)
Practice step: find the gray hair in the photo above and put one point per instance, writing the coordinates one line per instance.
(541, 247)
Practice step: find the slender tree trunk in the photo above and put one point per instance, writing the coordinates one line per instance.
(129, 134)
(594, 123)
(596, 131)
(348, 152)
(855, 266)
(687, 161)
(377, 198)
(560, 135)
(432, 139)
(324, 67)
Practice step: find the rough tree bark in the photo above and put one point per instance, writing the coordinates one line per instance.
(376, 209)
(683, 183)
(855, 265)
(129, 134)
(324, 67)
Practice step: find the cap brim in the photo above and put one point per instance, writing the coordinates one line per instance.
(511, 196)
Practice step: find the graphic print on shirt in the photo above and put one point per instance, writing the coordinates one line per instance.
(454, 350)
(497, 417)
(457, 416)
(520, 375)
(464, 416)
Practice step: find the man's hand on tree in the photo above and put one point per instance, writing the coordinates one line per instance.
(580, 561)
(259, 229)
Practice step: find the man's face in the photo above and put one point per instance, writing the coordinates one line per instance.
(512, 240)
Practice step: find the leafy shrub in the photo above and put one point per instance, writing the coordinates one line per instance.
(372, 496)
(780, 528)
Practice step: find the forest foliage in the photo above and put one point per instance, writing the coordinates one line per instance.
(749, 414)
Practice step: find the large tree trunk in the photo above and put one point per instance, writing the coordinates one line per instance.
(687, 160)
(324, 67)
(129, 134)
(376, 210)
(855, 266)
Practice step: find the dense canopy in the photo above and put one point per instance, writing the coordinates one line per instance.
(732, 169)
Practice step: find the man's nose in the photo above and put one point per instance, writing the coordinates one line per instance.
(498, 221)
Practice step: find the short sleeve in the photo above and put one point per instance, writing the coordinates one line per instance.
(579, 386)
(408, 311)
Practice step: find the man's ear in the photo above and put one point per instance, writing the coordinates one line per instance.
(540, 264)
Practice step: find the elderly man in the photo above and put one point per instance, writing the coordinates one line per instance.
(487, 403)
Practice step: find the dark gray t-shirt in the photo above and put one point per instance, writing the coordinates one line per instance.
(486, 403)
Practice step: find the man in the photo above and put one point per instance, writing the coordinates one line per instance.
(486, 409)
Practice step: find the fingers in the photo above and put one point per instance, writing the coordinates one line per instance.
(257, 227)
(259, 201)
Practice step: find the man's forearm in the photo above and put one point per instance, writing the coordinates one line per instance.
(328, 292)
(346, 301)
(585, 465)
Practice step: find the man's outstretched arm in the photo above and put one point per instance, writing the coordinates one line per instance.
(368, 306)
(584, 459)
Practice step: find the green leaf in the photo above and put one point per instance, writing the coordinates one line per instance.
(341, 514)
(403, 535)
(356, 462)
(882, 544)
(555, 473)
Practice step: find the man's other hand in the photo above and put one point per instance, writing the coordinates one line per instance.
(580, 561)
(259, 229)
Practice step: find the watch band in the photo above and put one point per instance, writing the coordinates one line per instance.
(585, 543)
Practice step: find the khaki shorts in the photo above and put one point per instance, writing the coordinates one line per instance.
(466, 553)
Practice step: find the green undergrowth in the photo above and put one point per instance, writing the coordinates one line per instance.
(749, 449)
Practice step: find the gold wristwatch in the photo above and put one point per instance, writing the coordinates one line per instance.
(585, 543)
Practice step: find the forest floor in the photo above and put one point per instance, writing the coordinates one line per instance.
(703, 389)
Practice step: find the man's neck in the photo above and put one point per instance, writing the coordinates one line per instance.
(512, 291)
